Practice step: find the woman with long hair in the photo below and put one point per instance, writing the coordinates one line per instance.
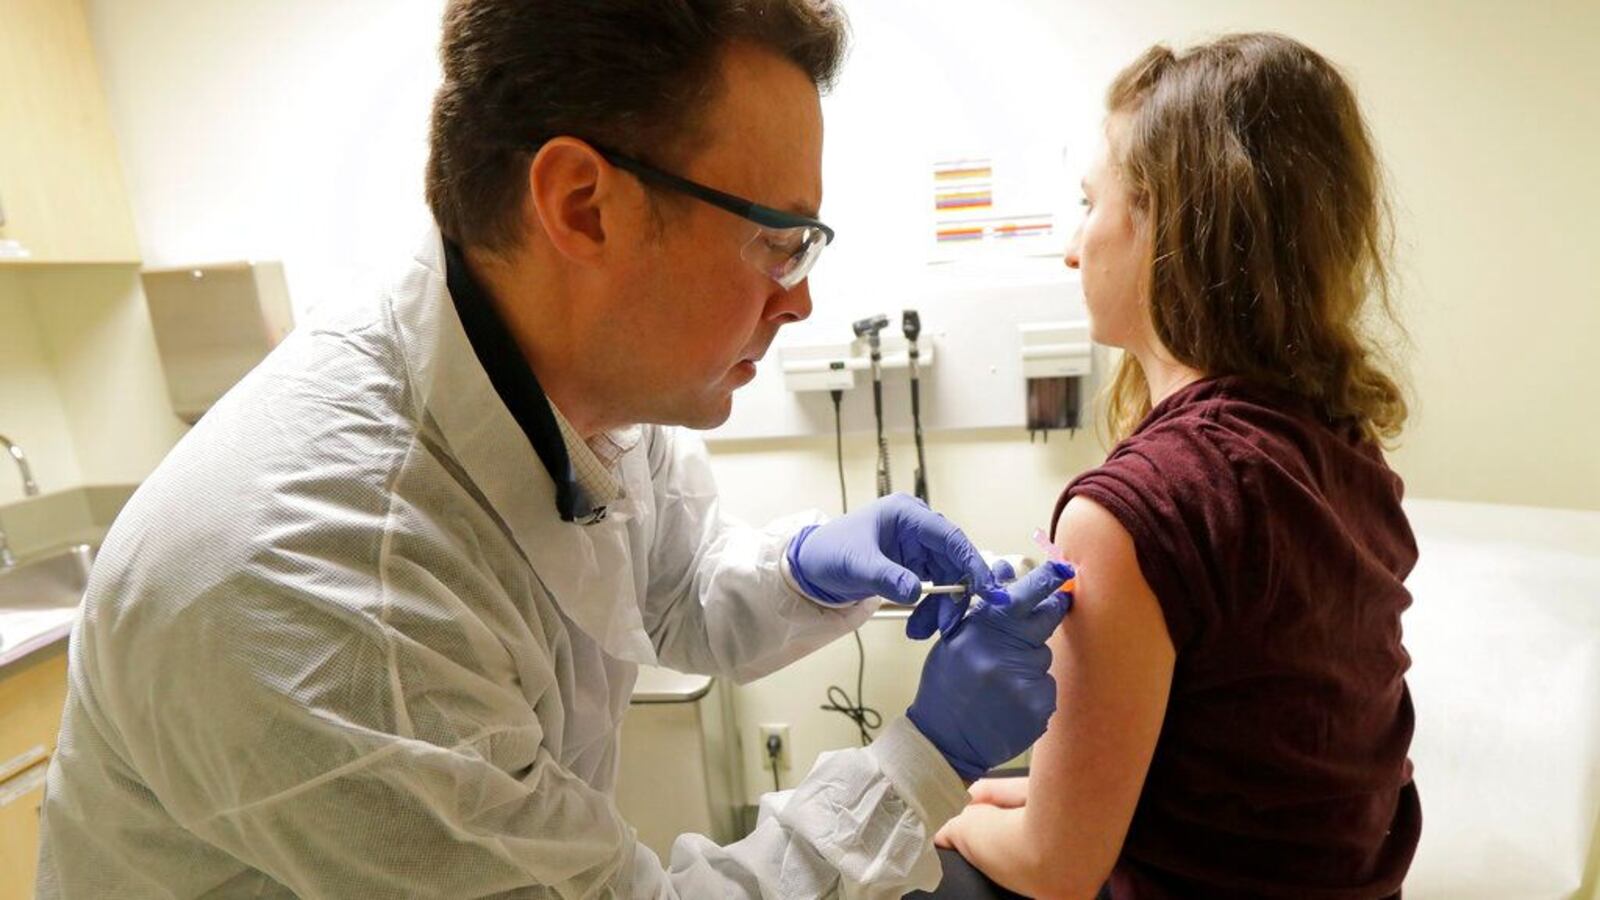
(1233, 718)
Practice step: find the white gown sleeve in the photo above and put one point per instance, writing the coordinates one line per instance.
(719, 599)
(860, 825)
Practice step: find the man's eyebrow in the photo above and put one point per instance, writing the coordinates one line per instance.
(801, 208)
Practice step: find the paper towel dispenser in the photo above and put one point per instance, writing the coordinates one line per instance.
(213, 324)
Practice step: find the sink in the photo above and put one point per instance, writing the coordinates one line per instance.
(50, 581)
(41, 596)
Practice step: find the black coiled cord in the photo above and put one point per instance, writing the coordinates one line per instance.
(866, 718)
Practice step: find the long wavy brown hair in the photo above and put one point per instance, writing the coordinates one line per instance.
(1248, 163)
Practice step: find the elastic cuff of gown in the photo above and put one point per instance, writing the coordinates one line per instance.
(797, 579)
(920, 773)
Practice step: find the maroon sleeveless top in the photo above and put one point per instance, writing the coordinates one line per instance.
(1277, 548)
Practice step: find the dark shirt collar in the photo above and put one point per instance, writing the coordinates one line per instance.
(514, 381)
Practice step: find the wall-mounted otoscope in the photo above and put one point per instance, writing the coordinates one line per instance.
(870, 328)
(911, 325)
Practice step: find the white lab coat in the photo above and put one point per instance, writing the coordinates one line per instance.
(341, 645)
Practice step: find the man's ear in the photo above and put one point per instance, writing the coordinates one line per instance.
(571, 196)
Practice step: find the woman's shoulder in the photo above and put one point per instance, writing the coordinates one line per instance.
(1201, 463)
(1231, 429)
(1197, 448)
(1179, 474)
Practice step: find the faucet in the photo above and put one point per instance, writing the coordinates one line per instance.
(30, 488)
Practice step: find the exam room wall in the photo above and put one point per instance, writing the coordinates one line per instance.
(295, 129)
(31, 408)
(81, 389)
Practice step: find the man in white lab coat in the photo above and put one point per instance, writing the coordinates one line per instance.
(371, 629)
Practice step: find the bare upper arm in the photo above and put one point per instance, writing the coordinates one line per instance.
(1113, 664)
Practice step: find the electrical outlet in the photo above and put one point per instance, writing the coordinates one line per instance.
(782, 733)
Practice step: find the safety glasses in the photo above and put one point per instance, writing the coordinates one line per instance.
(785, 246)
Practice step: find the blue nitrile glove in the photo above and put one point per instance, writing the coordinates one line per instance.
(942, 612)
(986, 692)
(886, 548)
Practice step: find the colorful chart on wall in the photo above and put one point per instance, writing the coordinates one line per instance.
(992, 207)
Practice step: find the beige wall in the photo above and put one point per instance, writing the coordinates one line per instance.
(81, 387)
(31, 409)
(95, 329)
(1487, 116)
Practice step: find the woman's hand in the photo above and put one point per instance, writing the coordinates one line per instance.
(982, 819)
(1006, 793)
(946, 836)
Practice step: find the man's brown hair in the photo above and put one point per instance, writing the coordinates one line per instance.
(635, 75)
(1250, 168)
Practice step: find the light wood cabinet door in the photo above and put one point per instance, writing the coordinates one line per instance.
(20, 800)
(61, 184)
(32, 693)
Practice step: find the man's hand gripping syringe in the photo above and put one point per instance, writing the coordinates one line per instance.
(986, 693)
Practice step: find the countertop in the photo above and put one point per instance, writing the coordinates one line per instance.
(45, 631)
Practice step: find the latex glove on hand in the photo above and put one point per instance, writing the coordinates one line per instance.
(986, 693)
(943, 612)
(887, 549)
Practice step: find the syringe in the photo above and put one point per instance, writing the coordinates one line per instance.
(932, 589)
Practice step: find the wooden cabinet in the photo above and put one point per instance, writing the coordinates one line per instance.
(61, 184)
(20, 800)
(32, 693)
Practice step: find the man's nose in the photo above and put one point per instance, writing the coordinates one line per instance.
(789, 306)
(1071, 259)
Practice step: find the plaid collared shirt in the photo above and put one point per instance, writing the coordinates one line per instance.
(595, 461)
